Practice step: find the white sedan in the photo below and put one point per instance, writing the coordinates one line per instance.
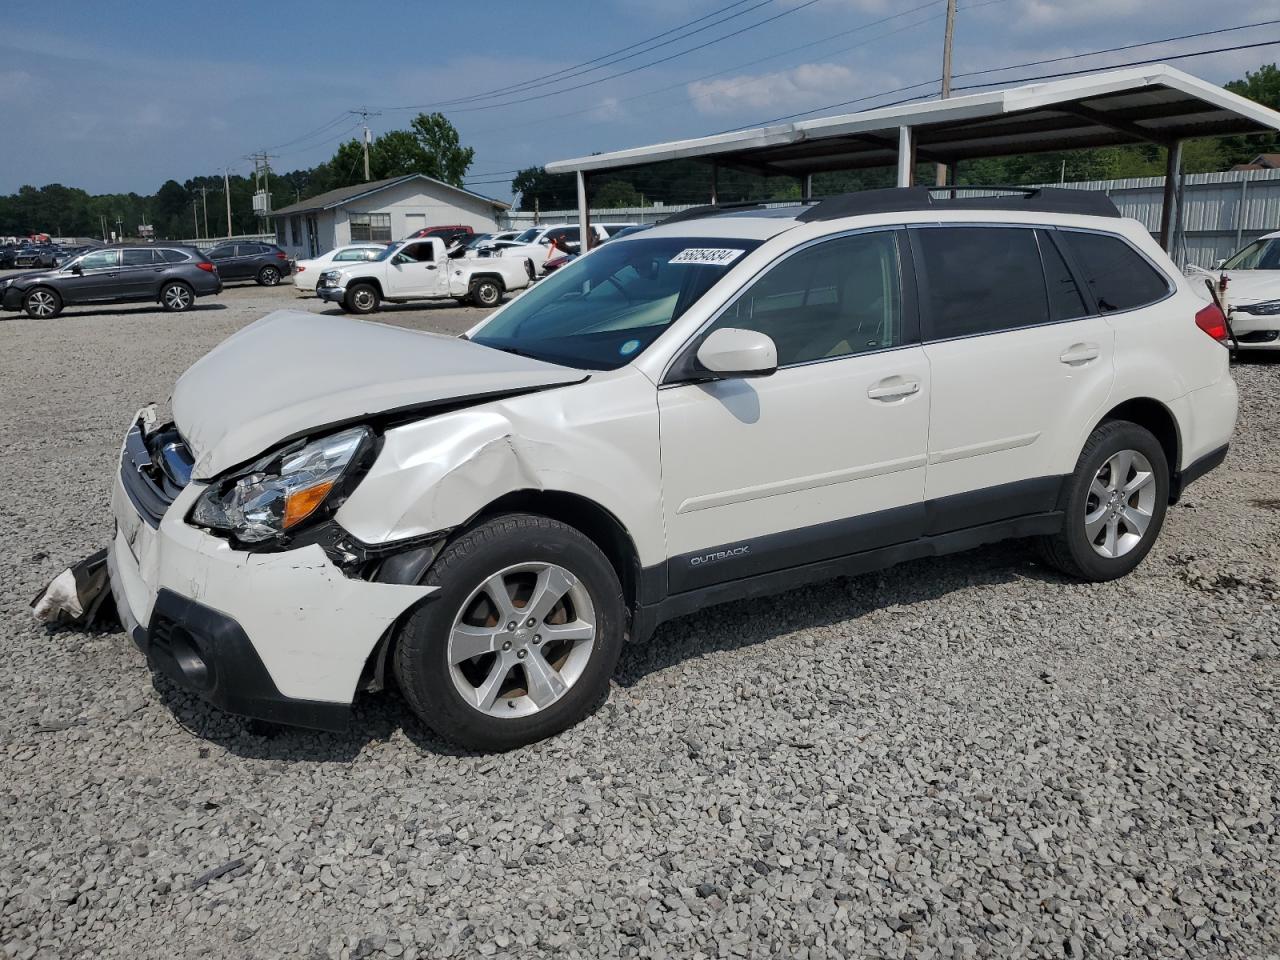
(1252, 291)
(307, 272)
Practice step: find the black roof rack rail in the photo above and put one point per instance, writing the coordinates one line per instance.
(900, 199)
(711, 210)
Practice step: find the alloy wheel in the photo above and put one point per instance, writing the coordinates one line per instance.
(41, 303)
(521, 640)
(177, 298)
(1120, 504)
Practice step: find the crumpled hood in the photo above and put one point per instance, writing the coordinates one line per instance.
(293, 373)
(1243, 286)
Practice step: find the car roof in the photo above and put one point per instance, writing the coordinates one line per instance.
(746, 224)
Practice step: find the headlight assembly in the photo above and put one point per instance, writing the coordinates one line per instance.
(1267, 308)
(280, 491)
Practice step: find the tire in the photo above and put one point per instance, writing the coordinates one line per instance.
(1104, 538)
(488, 702)
(486, 293)
(361, 298)
(268, 276)
(42, 303)
(176, 297)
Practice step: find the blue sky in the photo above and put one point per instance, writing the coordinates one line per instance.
(119, 97)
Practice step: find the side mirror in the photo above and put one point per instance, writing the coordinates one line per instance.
(732, 352)
(77, 269)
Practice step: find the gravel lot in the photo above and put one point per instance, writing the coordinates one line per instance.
(960, 757)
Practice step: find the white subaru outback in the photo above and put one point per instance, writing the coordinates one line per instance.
(732, 403)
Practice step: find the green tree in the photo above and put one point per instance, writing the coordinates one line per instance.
(448, 159)
(616, 193)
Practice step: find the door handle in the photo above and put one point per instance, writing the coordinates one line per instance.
(431, 266)
(1079, 354)
(893, 388)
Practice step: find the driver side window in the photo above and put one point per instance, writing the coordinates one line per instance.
(835, 299)
(100, 260)
(416, 253)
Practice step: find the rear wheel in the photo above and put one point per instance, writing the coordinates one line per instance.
(269, 276)
(486, 293)
(361, 298)
(520, 639)
(176, 297)
(1116, 505)
(42, 303)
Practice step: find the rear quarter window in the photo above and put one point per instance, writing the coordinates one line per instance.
(173, 256)
(1119, 277)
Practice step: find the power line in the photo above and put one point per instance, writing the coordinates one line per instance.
(613, 76)
(759, 60)
(608, 59)
(1016, 66)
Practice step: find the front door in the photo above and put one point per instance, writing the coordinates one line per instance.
(99, 273)
(1019, 363)
(826, 456)
(414, 273)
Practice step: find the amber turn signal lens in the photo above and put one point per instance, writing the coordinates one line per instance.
(302, 503)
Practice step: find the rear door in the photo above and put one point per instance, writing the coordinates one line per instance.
(1020, 364)
(826, 456)
(140, 271)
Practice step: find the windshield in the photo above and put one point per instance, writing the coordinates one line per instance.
(1259, 255)
(390, 249)
(528, 236)
(603, 310)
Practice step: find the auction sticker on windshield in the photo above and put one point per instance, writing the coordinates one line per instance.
(715, 256)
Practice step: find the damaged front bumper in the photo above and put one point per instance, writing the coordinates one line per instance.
(281, 636)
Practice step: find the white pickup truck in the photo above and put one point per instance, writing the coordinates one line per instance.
(422, 270)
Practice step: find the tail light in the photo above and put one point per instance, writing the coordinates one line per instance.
(206, 266)
(299, 269)
(1213, 322)
(281, 255)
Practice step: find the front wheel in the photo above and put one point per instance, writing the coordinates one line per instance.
(42, 304)
(176, 297)
(361, 298)
(268, 276)
(486, 293)
(1116, 504)
(520, 639)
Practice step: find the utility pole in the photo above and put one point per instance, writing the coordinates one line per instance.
(948, 36)
(204, 197)
(261, 184)
(226, 188)
(364, 113)
(195, 216)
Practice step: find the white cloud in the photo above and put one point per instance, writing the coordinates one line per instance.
(801, 86)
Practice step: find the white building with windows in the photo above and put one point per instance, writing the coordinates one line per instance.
(381, 210)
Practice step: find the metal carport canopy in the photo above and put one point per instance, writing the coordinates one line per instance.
(1154, 104)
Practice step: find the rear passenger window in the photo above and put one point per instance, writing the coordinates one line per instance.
(835, 299)
(1120, 277)
(980, 280)
(138, 258)
(1065, 299)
